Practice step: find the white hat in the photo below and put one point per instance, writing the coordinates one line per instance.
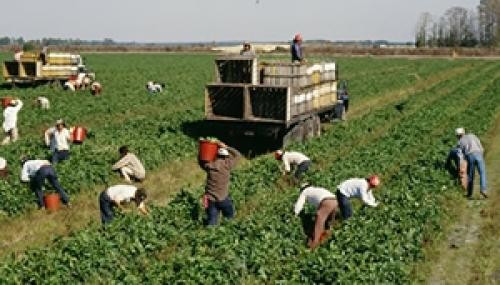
(460, 131)
(3, 163)
(223, 152)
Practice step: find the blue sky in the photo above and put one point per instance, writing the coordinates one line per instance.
(216, 20)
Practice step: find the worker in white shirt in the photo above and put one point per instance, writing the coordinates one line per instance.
(70, 85)
(293, 158)
(129, 166)
(356, 188)
(10, 121)
(114, 196)
(42, 102)
(58, 139)
(154, 87)
(36, 171)
(18, 54)
(95, 88)
(3, 168)
(326, 206)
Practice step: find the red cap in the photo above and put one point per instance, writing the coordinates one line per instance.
(374, 181)
(298, 37)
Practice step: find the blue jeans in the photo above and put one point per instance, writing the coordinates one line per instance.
(344, 205)
(47, 172)
(225, 206)
(476, 160)
(106, 206)
(59, 155)
(302, 168)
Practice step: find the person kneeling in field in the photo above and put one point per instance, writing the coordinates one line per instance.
(114, 196)
(35, 172)
(129, 166)
(217, 198)
(326, 206)
(356, 188)
(293, 158)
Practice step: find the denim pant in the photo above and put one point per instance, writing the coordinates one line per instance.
(344, 205)
(225, 206)
(59, 155)
(476, 160)
(302, 168)
(47, 172)
(106, 206)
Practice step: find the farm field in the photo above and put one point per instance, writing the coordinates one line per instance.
(406, 145)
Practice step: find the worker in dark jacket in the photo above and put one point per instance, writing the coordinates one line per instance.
(217, 198)
(296, 49)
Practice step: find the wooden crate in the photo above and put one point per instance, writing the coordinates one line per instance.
(268, 102)
(236, 69)
(10, 69)
(224, 100)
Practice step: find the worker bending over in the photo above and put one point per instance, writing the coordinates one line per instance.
(129, 166)
(114, 196)
(42, 102)
(10, 121)
(35, 172)
(58, 139)
(457, 164)
(295, 159)
(217, 198)
(356, 188)
(155, 87)
(95, 88)
(473, 151)
(326, 205)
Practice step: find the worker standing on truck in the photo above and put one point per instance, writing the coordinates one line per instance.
(58, 139)
(247, 50)
(44, 54)
(296, 49)
(18, 54)
(35, 172)
(115, 195)
(293, 158)
(129, 166)
(356, 188)
(457, 164)
(473, 151)
(10, 121)
(217, 198)
(326, 205)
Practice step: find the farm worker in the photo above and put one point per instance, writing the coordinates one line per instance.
(58, 139)
(70, 85)
(36, 171)
(18, 54)
(42, 102)
(3, 168)
(155, 87)
(326, 205)
(356, 188)
(217, 198)
(44, 54)
(343, 96)
(293, 158)
(473, 151)
(296, 49)
(10, 121)
(457, 163)
(247, 49)
(115, 195)
(129, 165)
(95, 88)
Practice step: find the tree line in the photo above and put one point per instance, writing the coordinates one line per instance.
(460, 27)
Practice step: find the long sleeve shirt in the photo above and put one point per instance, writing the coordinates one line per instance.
(10, 116)
(296, 50)
(292, 158)
(358, 188)
(57, 140)
(469, 143)
(31, 167)
(313, 195)
(131, 161)
(218, 175)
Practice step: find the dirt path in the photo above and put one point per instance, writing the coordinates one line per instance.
(470, 252)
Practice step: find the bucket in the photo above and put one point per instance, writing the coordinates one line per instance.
(52, 201)
(79, 135)
(6, 101)
(208, 150)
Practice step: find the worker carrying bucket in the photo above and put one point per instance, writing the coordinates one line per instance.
(58, 139)
(216, 198)
(12, 108)
(293, 159)
(326, 205)
(356, 188)
(35, 172)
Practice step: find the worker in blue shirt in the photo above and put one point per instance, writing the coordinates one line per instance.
(296, 49)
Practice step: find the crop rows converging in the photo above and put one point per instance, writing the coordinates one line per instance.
(265, 243)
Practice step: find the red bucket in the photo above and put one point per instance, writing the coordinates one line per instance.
(208, 150)
(6, 101)
(52, 201)
(79, 134)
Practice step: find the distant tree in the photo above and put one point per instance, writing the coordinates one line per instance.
(489, 18)
(4, 41)
(422, 30)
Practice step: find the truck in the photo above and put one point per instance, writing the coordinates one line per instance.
(271, 99)
(58, 67)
